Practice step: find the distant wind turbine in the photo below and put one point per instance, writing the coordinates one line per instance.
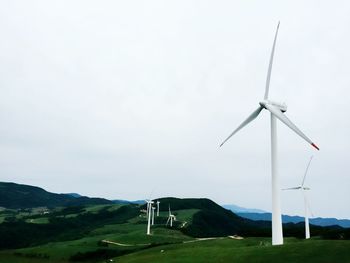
(277, 110)
(158, 208)
(171, 218)
(302, 188)
(153, 208)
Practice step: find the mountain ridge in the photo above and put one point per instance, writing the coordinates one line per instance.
(319, 221)
(17, 196)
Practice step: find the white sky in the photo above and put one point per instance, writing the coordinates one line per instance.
(119, 98)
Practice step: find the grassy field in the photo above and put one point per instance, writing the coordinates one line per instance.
(215, 250)
(248, 250)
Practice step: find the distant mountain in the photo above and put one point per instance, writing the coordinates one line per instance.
(15, 196)
(121, 201)
(297, 219)
(330, 222)
(239, 209)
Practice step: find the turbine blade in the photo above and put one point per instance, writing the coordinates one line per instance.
(167, 222)
(307, 168)
(244, 123)
(292, 188)
(270, 65)
(283, 118)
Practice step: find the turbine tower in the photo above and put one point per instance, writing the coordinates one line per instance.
(158, 208)
(153, 208)
(171, 218)
(276, 110)
(149, 205)
(302, 188)
(148, 201)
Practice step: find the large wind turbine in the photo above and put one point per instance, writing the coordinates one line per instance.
(277, 110)
(302, 188)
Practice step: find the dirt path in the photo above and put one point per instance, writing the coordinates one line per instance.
(124, 245)
(203, 239)
(184, 242)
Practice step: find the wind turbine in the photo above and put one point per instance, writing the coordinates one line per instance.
(149, 205)
(171, 218)
(277, 110)
(158, 208)
(153, 208)
(302, 188)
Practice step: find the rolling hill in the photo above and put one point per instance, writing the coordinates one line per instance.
(16, 196)
(211, 220)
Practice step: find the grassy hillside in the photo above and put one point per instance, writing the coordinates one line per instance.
(99, 233)
(211, 219)
(15, 196)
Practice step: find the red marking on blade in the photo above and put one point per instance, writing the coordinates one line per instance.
(314, 145)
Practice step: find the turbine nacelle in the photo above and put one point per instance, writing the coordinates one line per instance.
(280, 106)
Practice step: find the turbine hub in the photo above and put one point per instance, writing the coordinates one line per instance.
(281, 106)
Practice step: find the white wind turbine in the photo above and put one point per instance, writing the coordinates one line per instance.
(171, 218)
(149, 205)
(158, 208)
(302, 188)
(277, 111)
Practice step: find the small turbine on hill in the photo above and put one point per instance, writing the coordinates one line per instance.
(158, 208)
(276, 110)
(153, 208)
(302, 188)
(171, 218)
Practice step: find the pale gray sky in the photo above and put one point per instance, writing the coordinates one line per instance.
(116, 98)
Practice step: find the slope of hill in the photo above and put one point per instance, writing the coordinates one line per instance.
(15, 196)
(211, 219)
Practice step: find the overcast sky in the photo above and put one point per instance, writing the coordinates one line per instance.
(119, 99)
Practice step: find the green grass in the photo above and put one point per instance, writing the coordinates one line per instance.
(40, 220)
(185, 215)
(96, 208)
(248, 250)
(136, 234)
(130, 234)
